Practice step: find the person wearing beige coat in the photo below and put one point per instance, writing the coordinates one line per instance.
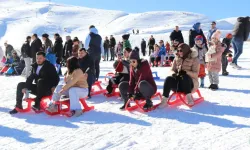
(184, 74)
(75, 86)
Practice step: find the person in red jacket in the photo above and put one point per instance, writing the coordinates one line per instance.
(141, 84)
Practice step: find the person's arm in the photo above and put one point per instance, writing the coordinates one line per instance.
(102, 49)
(87, 40)
(30, 78)
(218, 52)
(143, 76)
(194, 69)
(173, 68)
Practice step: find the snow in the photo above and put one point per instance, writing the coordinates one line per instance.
(220, 122)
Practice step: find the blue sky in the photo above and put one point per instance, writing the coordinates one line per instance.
(215, 9)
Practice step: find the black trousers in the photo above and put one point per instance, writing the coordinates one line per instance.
(143, 52)
(145, 88)
(91, 80)
(151, 49)
(116, 80)
(96, 60)
(224, 62)
(112, 53)
(184, 84)
(40, 89)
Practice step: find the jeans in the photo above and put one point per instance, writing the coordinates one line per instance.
(106, 54)
(238, 48)
(112, 53)
(74, 94)
(27, 69)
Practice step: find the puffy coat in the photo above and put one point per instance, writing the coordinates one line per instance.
(58, 47)
(190, 65)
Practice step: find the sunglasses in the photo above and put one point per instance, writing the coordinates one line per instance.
(179, 51)
(132, 61)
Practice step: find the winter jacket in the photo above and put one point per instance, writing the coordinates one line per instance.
(36, 46)
(75, 50)
(106, 45)
(47, 73)
(67, 49)
(155, 54)
(167, 47)
(47, 44)
(143, 46)
(190, 65)
(126, 44)
(192, 34)
(26, 50)
(8, 50)
(87, 62)
(151, 42)
(177, 35)
(93, 43)
(201, 53)
(215, 66)
(141, 73)
(122, 67)
(76, 79)
(242, 28)
(112, 42)
(228, 44)
(11, 62)
(162, 51)
(210, 33)
(58, 47)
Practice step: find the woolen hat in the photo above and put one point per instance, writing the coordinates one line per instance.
(216, 34)
(134, 55)
(199, 37)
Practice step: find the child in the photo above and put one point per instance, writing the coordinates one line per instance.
(227, 40)
(213, 59)
(162, 52)
(173, 50)
(51, 57)
(202, 50)
(154, 56)
(126, 43)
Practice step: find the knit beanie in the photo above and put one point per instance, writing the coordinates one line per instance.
(216, 34)
(134, 55)
(199, 37)
(125, 36)
(229, 36)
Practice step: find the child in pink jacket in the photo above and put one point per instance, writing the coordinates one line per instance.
(213, 59)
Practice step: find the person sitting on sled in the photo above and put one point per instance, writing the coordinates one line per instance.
(122, 70)
(75, 87)
(11, 63)
(184, 74)
(46, 79)
(141, 84)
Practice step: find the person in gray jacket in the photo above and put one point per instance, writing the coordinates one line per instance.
(47, 42)
(8, 50)
(240, 34)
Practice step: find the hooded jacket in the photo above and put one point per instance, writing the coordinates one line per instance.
(93, 43)
(194, 32)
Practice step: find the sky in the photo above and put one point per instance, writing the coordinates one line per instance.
(215, 9)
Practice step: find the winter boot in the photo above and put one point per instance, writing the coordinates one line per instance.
(124, 105)
(148, 105)
(190, 100)
(163, 102)
(14, 111)
(52, 108)
(214, 87)
(225, 73)
(202, 82)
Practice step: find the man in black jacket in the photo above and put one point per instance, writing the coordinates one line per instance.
(85, 62)
(46, 79)
(94, 47)
(106, 46)
(151, 44)
(58, 48)
(112, 47)
(67, 49)
(176, 34)
(26, 53)
(36, 46)
(143, 47)
(240, 34)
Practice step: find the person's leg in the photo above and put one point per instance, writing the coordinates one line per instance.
(147, 92)
(162, 59)
(123, 88)
(169, 84)
(27, 66)
(152, 60)
(105, 55)
(97, 67)
(224, 63)
(75, 93)
(19, 94)
(210, 77)
(90, 81)
(215, 76)
(186, 84)
(42, 90)
(238, 48)
(112, 54)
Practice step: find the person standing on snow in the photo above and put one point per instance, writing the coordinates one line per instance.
(143, 47)
(126, 42)
(47, 42)
(112, 47)
(26, 53)
(227, 40)
(36, 46)
(240, 34)
(94, 46)
(151, 44)
(194, 32)
(176, 34)
(8, 50)
(58, 48)
(106, 49)
(67, 49)
(211, 31)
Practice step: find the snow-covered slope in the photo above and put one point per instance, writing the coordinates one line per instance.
(21, 18)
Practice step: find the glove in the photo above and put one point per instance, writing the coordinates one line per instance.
(182, 72)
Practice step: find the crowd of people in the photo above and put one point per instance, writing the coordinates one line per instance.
(133, 75)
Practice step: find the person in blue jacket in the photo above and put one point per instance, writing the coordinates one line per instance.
(13, 61)
(162, 52)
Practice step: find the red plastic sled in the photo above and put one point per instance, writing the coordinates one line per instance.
(99, 90)
(114, 92)
(140, 103)
(109, 75)
(181, 97)
(64, 107)
(43, 104)
(4, 69)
